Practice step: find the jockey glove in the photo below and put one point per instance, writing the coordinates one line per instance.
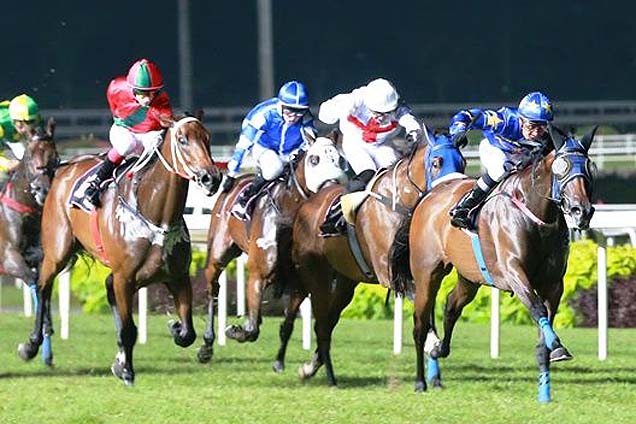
(228, 184)
(412, 137)
(459, 139)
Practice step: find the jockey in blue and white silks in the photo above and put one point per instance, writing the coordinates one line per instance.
(274, 131)
(510, 134)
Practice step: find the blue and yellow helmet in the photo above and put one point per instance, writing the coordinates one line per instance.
(536, 107)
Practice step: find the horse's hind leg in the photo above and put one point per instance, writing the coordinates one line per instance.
(461, 295)
(182, 331)
(287, 327)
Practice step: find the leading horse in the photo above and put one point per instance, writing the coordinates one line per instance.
(21, 203)
(327, 267)
(139, 233)
(266, 237)
(521, 246)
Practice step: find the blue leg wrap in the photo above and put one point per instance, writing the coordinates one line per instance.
(544, 387)
(432, 369)
(46, 349)
(34, 296)
(549, 336)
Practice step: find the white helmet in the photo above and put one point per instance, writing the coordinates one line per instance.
(381, 96)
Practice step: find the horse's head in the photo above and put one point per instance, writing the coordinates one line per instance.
(573, 177)
(189, 145)
(443, 160)
(40, 160)
(323, 163)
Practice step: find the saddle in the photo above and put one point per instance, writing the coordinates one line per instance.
(77, 198)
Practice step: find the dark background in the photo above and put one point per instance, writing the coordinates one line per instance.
(66, 52)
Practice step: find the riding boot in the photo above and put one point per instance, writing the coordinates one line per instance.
(94, 189)
(335, 223)
(473, 198)
(239, 210)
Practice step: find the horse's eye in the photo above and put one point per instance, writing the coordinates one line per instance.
(314, 160)
(437, 163)
(183, 140)
(560, 167)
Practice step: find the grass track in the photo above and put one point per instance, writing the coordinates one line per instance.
(374, 385)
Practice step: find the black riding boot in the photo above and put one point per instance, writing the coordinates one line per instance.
(240, 208)
(94, 190)
(470, 200)
(335, 224)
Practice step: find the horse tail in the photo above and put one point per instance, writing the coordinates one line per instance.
(399, 258)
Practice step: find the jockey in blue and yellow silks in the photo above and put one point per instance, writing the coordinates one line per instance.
(510, 134)
(17, 117)
(274, 131)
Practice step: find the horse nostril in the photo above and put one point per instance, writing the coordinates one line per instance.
(205, 179)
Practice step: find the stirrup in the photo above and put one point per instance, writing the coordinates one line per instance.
(92, 195)
(240, 212)
(460, 218)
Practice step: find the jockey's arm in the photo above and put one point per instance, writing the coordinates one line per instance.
(249, 136)
(476, 119)
(332, 110)
(409, 122)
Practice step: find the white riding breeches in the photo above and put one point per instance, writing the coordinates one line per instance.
(492, 159)
(126, 142)
(269, 163)
(362, 156)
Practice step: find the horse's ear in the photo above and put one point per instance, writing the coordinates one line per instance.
(586, 141)
(199, 114)
(428, 136)
(50, 127)
(557, 136)
(336, 136)
(308, 135)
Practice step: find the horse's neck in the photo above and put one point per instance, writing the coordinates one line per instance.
(20, 190)
(407, 180)
(533, 186)
(161, 194)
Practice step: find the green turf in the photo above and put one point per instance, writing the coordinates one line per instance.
(375, 386)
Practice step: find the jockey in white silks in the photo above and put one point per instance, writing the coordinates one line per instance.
(369, 118)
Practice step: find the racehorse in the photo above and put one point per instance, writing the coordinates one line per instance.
(327, 267)
(266, 237)
(139, 233)
(522, 237)
(21, 203)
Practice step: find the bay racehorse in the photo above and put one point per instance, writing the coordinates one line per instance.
(139, 233)
(327, 267)
(523, 239)
(266, 237)
(21, 201)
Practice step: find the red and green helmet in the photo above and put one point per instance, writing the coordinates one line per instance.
(144, 75)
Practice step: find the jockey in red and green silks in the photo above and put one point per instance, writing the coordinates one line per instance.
(139, 107)
(17, 118)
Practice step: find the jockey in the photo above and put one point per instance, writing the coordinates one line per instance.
(510, 135)
(275, 131)
(140, 109)
(369, 117)
(17, 117)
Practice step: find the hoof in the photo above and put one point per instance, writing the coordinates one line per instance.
(26, 351)
(305, 372)
(119, 371)
(436, 383)
(181, 338)
(560, 354)
(420, 386)
(278, 367)
(204, 355)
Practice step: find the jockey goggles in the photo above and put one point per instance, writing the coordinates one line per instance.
(137, 92)
(533, 125)
(290, 111)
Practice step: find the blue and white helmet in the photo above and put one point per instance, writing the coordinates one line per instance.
(536, 107)
(293, 94)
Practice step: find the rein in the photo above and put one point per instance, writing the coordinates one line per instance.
(13, 204)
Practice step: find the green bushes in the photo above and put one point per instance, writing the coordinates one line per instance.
(581, 275)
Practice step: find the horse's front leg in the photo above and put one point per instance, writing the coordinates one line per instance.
(124, 290)
(249, 331)
(287, 327)
(182, 331)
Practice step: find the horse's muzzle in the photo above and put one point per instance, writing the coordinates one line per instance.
(209, 181)
(581, 216)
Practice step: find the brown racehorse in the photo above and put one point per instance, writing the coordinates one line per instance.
(21, 203)
(524, 243)
(326, 266)
(266, 238)
(139, 233)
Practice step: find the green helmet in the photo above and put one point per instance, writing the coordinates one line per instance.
(24, 108)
